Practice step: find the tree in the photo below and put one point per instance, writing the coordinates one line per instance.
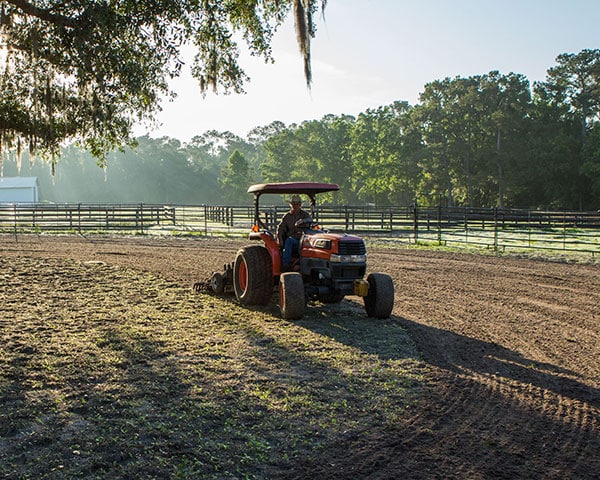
(505, 105)
(208, 155)
(235, 179)
(447, 114)
(575, 82)
(315, 150)
(329, 141)
(569, 100)
(384, 155)
(473, 135)
(281, 162)
(86, 70)
(431, 115)
(258, 135)
(591, 165)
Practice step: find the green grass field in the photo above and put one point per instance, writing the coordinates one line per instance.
(111, 373)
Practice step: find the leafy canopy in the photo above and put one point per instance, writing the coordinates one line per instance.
(87, 70)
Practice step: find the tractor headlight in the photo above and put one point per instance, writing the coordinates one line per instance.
(322, 243)
(347, 258)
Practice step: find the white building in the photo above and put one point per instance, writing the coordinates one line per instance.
(19, 190)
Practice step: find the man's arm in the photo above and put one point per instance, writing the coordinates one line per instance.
(282, 229)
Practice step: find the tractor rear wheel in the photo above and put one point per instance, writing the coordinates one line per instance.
(379, 302)
(253, 275)
(291, 295)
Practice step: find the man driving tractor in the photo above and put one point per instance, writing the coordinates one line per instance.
(330, 265)
(289, 231)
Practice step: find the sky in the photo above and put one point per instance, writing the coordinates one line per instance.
(370, 53)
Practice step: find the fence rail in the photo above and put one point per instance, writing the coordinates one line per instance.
(82, 217)
(511, 229)
(497, 229)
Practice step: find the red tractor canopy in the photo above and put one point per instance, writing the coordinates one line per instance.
(285, 188)
(308, 188)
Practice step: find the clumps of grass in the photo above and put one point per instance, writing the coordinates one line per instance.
(110, 372)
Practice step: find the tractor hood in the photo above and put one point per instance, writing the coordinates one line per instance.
(332, 243)
(333, 237)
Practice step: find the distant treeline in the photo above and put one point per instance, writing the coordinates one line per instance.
(483, 141)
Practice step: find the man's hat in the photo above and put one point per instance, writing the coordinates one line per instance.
(295, 199)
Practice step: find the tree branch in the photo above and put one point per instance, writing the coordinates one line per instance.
(43, 14)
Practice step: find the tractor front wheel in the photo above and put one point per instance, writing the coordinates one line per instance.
(253, 275)
(291, 295)
(379, 302)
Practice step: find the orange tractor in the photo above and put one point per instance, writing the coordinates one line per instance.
(326, 267)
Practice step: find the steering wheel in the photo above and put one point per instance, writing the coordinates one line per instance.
(306, 223)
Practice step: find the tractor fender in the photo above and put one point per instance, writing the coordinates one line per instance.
(272, 247)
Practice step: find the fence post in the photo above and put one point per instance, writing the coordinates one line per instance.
(564, 231)
(346, 217)
(205, 221)
(495, 229)
(466, 227)
(439, 224)
(15, 218)
(416, 222)
(529, 228)
(141, 218)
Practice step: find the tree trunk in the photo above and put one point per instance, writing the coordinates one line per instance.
(448, 180)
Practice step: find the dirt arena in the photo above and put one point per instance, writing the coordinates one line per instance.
(510, 347)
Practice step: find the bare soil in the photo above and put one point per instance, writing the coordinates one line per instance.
(508, 353)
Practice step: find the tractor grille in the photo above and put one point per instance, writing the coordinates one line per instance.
(353, 247)
(344, 272)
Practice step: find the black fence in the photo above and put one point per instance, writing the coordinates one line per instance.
(83, 217)
(502, 229)
(497, 229)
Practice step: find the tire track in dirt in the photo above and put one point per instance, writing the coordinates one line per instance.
(503, 363)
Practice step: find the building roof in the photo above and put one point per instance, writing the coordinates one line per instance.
(18, 182)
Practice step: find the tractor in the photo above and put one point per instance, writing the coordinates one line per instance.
(326, 268)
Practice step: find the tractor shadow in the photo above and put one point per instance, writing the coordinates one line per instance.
(462, 355)
(484, 410)
(347, 323)
(398, 338)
